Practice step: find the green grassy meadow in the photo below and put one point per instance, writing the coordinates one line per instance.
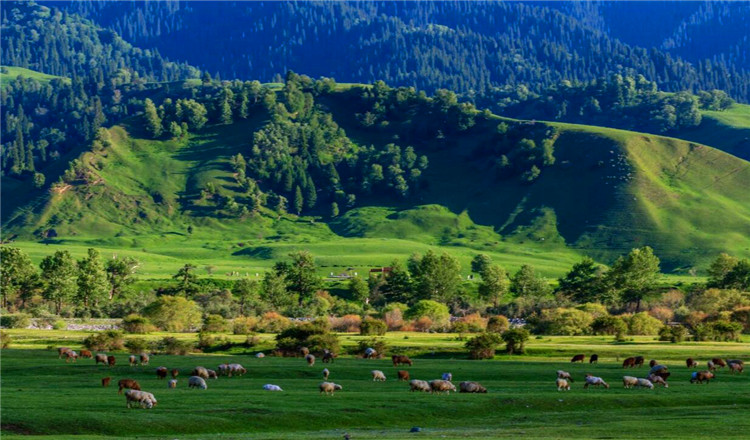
(42, 396)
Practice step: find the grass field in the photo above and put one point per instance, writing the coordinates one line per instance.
(13, 72)
(43, 396)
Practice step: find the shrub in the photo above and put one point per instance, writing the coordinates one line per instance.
(108, 340)
(498, 324)
(322, 342)
(314, 335)
(60, 325)
(643, 324)
(171, 345)
(726, 331)
(373, 327)
(5, 340)
(378, 345)
(609, 325)
(135, 323)
(17, 320)
(244, 325)
(437, 313)
(595, 309)
(393, 314)
(137, 345)
(174, 313)
(674, 334)
(562, 321)
(742, 315)
(483, 346)
(703, 332)
(272, 322)
(473, 323)
(252, 340)
(663, 314)
(515, 340)
(346, 323)
(423, 324)
(215, 324)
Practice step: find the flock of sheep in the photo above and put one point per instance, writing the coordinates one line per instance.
(657, 375)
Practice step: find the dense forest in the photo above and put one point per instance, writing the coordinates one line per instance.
(468, 47)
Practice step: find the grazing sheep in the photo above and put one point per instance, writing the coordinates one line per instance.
(594, 359)
(578, 358)
(132, 361)
(111, 361)
(629, 381)
(735, 361)
(106, 381)
(447, 376)
(326, 373)
(172, 383)
(304, 351)
(212, 374)
(271, 387)
(145, 359)
(61, 351)
(86, 354)
(645, 383)
(70, 354)
(328, 356)
(329, 387)
(710, 365)
(175, 372)
(562, 384)
(652, 362)
(142, 398)
(100, 357)
(310, 360)
(377, 376)
(237, 369)
(628, 362)
(736, 368)
(200, 372)
(471, 387)
(639, 360)
(403, 375)
(691, 363)
(197, 382)
(223, 369)
(658, 380)
(260, 355)
(564, 375)
(419, 385)
(719, 362)
(370, 353)
(700, 376)
(161, 373)
(127, 383)
(401, 359)
(440, 386)
(595, 381)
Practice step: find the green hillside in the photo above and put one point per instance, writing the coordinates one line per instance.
(8, 73)
(607, 192)
(727, 130)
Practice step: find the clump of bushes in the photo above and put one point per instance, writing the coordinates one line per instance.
(515, 340)
(314, 335)
(172, 345)
(347, 323)
(244, 325)
(379, 345)
(215, 324)
(272, 322)
(15, 320)
(642, 324)
(137, 324)
(437, 314)
(498, 324)
(674, 334)
(472, 323)
(60, 325)
(373, 327)
(108, 340)
(5, 340)
(393, 315)
(137, 345)
(174, 313)
(483, 346)
(563, 321)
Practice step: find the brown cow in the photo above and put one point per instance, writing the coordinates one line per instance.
(594, 359)
(639, 360)
(161, 373)
(100, 357)
(175, 373)
(127, 383)
(61, 351)
(70, 354)
(628, 362)
(401, 359)
(691, 363)
(86, 354)
(719, 362)
(144, 359)
(578, 358)
(403, 375)
(111, 361)
(736, 367)
(700, 376)
(106, 381)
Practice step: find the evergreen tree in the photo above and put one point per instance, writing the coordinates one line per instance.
(93, 286)
(152, 121)
(59, 276)
(299, 202)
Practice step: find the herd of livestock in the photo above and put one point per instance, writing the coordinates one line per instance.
(657, 375)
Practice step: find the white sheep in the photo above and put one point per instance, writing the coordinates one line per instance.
(271, 387)
(310, 358)
(658, 380)
(142, 398)
(564, 375)
(442, 386)
(237, 369)
(132, 361)
(197, 382)
(562, 384)
(172, 383)
(595, 381)
(377, 376)
(629, 381)
(260, 355)
(329, 387)
(645, 383)
(223, 369)
(447, 376)
(326, 373)
(419, 385)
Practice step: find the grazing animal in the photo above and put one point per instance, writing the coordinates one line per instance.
(442, 386)
(310, 358)
(594, 359)
(329, 387)
(719, 362)
(735, 361)
(106, 381)
(142, 398)
(471, 387)
(127, 383)
(237, 369)
(172, 383)
(326, 373)
(328, 356)
(197, 382)
(447, 376)
(161, 373)
(564, 375)
(377, 376)
(175, 373)
(711, 366)
(100, 357)
(260, 355)
(212, 374)
(86, 354)
(628, 362)
(595, 381)
(271, 387)
(658, 380)
(639, 360)
(401, 360)
(700, 376)
(70, 354)
(578, 358)
(691, 363)
(370, 353)
(304, 351)
(145, 359)
(200, 372)
(629, 381)
(419, 385)
(403, 375)
(223, 369)
(132, 361)
(736, 368)
(645, 383)
(562, 384)
(652, 362)
(61, 351)
(111, 361)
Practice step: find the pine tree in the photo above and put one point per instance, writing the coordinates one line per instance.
(92, 280)
(299, 201)
(153, 122)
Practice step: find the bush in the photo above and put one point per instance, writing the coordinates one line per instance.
(137, 345)
(60, 325)
(595, 309)
(17, 320)
(314, 335)
(515, 340)
(742, 315)
(393, 314)
(379, 345)
(5, 340)
(609, 325)
(472, 323)
(703, 332)
(498, 324)
(322, 342)
(726, 331)
(663, 314)
(423, 324)
(272, 322)
(437, 313)
(643, 324)
(373, 327)
(483, 346)
(346, 323)
(562, 321)
(171, 345)
(215, 324)
(252, 340)
(135, 323)
(174, 313)
(244, 325)
(674, 334)
(108, 340)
